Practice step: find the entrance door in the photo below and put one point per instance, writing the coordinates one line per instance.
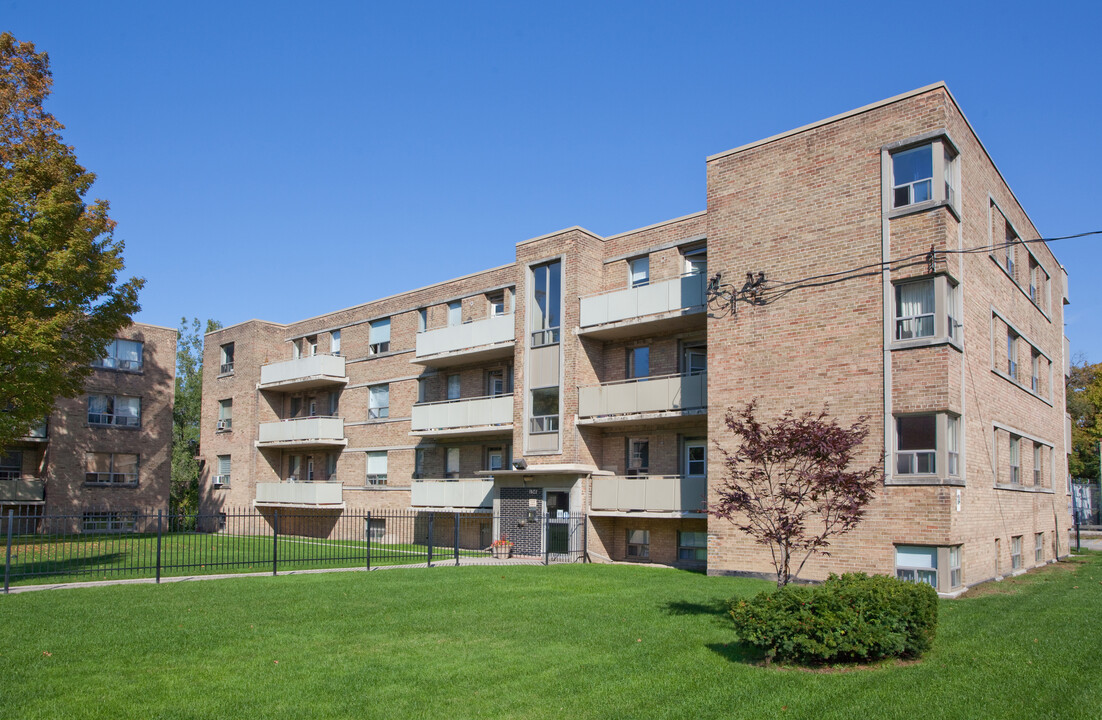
(558, 522)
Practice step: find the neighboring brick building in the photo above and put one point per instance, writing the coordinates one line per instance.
(604, 366)
(107, 454)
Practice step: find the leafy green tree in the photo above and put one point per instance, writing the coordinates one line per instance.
(1084, 398)
(186, 414)
(60, 300)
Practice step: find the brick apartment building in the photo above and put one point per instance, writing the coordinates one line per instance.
(592, 375)
(106, 455)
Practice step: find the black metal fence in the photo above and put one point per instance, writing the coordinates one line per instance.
(117, 545)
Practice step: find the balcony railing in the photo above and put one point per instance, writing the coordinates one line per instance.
(22, 490)
(306, 493)
(302, 431)
(452, 493)
(480, 336)
(680, 293)
(649, 493)
(644, 395)
(455, 416)
(304, 372)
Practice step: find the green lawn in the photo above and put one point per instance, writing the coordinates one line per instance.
(46, 560)
(568, 641)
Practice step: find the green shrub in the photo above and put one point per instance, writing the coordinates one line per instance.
(852, 618)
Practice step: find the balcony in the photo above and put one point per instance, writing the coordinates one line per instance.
(644, 399)
(684, 496)
(303, 432)
(31, 491)
(470, 416)
(303, 373)
(471, 342)
(307, 494)
(676, 304)
(452, 494)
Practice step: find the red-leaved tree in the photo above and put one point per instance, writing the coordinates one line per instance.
(789, 486)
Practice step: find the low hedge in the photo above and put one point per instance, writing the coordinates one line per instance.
(852, 618)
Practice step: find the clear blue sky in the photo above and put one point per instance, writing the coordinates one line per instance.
(281, 160)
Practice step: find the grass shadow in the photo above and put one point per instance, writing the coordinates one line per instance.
(716, 607)
(107, 562)
(737, 652)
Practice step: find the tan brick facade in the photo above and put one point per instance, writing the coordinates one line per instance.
(638, 418)
(110, 450)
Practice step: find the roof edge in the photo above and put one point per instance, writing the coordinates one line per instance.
(835, 118)
(652, 226)
(578, 228)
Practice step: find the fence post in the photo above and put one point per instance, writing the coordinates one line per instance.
(275, 539)
(585, 539)
(432, 516)
(159, 545)
(457, 539)
(7, 559)
(367, 531)
(546, 538)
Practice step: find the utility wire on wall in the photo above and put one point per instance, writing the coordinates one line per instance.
(723, 298)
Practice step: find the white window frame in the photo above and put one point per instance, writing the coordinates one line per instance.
(226, 366)
(1015, 456)
(378, 401)
(639, 271)
(112, 361)
(912, 571)
(451, 463)
(379, 336)
(638, 456)
(377, 462)
(1016, 552)
(1038, 548)
(335, 342)
(698, 550)
(637, 544)
(689, 444)
(455, 313)
(943, 183)
(225, 468)
(454, 386)
(112, 477)
(110, 415)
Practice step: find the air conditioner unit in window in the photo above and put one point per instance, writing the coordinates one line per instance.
(292, 479)
(225, 424)
(220, 480)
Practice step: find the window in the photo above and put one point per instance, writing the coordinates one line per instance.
(296, 406)
(451, 462)
(639, 271)
(335, 342)
(638, 460)
(118, 410)
(11, 465)
(102, 468)
(453, 387)
(1016, 552)
(638, 362)
(334, 403)
(225, 415)
(455, 313)
(312, 405)
(223, 476)
(418, 463)
(1037, 477)
(916, 444)
(294, 468)
(914, 310)
(109, 521)
(955, 577)
(638, 544)
(330, 466)
(692, 546)
(912, 176)
(546, 299)
(495, 382)
(495, 458)
(376, 468)
(122, 355)
(694, 358)
(380, 337)
(1035, 371)
(545, 410)
(948, 172)
(1039, 548)
(309, 468)
(1011, 250)
(916, 563)
(1015, 460)
(952, 442)
(952, 307)
(497, 303)
(378, 405)
(376, 529)
(696, 457)
(422, 389)
(1012, 355)
(227, 359)
(696, 260)
(422, 320)
(312, 346)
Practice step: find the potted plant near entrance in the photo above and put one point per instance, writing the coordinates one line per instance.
(501, 548)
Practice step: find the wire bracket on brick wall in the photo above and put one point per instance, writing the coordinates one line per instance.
(723, 297)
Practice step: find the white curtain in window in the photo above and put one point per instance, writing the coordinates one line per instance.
(335, 342)
(916, 299)
(376, 463)
(380, 331)
(98, 403)
(380, 396)
(128, 407)
(130, 351)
